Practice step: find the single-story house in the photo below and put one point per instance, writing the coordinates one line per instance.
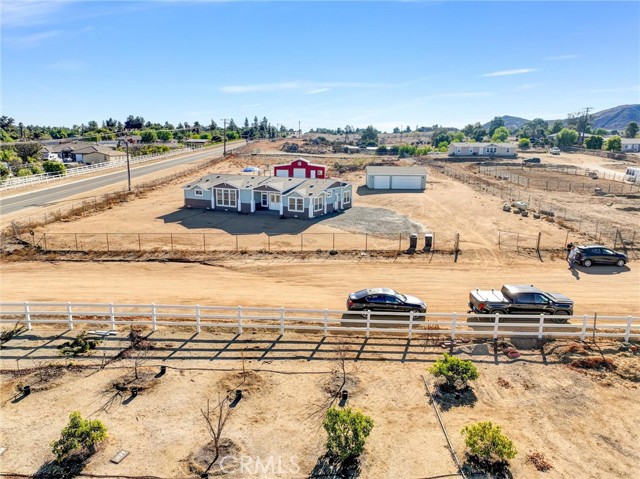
(97, 154)
(503, 150)
(195, 142)
(300, 168)
(132, 139)
(290, 197)
(396, 177)
(631, 144)
(63, 150)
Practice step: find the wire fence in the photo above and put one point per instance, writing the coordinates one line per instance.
(325, 321)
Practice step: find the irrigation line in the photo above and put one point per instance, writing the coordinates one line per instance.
(435, 407)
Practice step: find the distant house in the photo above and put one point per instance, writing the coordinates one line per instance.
(195, 143)
(396, 177)
(290, 197)
(96, 154)
(63, 150)
(131, 139)
(630, 145)
(502, 150)
(300, 168)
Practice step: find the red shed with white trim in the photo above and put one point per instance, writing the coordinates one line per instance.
(300, 168)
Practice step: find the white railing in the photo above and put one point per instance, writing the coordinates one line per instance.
(22, 181)
(325, 321)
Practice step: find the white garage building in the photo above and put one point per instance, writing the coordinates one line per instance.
(396, 177)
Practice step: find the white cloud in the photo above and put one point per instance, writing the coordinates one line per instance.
(32, 39)
(502, 73)
(297, 85)
(317, 90)
(19, 13)
(556, 58)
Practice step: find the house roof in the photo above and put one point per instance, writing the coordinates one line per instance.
(303, 186)
(306, 162)
(457, 144)
(630, 141)
(98, 149)
(396, 170)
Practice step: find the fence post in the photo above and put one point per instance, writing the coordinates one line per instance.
(27, 315)
(368, 323)
(198, 318)
(454, 320)
(595, 321)
(410, 324)
(112, 317)
(366, 241)
(326, 322)
(154, 326)
(541, 326)
(583, 332)
(69, 316)
(496, 322)
(627, 332)
(282, 321)
(239, 319)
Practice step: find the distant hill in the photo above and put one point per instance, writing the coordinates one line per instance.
(616, 118)
(510, 122)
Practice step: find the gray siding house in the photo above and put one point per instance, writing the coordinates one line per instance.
(502, 150)
(290, 197)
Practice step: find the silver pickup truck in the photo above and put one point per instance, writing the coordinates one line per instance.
(520, 299)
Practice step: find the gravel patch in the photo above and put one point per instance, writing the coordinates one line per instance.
(374, 221)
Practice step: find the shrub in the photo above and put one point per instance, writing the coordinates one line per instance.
(524, 143)
(24, 172)
(455, 371)
(54, 167)
(347, 431)
(79, 433)
(486, 442)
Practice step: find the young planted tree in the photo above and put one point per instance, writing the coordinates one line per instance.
(216, 421)
(455, 372)
(79, 435)
(347, 431)
(487, 443)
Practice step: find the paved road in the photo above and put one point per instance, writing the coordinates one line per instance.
(61, 192)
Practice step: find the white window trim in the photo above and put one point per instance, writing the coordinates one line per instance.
(295, 200)
(198, 192)
(233, 194)
(318, 204)
(346, 197)
(274, 198)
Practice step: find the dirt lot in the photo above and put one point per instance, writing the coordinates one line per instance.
(543, 405)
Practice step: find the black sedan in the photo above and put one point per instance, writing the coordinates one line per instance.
(384, 299)
(596, 254)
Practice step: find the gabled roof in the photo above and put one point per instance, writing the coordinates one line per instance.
(458, 144)
(98, 149)
(306, 162)
(396, 170)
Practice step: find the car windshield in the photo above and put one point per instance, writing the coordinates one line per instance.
(402, 297)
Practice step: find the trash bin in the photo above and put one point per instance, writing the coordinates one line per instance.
(413, 241)
(428, 241)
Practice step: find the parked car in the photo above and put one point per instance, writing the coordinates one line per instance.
(555, 150)
(384, 299)
(532, 160)
(520, 299)
(597, 254)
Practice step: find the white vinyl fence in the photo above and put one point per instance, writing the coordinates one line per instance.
(22, 181)
(325, 321)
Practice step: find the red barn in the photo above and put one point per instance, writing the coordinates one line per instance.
(300, 169)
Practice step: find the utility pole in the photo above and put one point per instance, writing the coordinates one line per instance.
(126, 142)
(583, 124)
(401, 126)
(224, 139)
(299, 130)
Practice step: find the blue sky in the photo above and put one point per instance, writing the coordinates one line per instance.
(322, 63)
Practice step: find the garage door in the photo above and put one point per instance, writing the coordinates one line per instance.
(299, 172)
(381, 182)
(406, 183)
(284, 173)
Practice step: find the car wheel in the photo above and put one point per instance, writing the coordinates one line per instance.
(558, 319)
(499, 311)
(620, 263)
(587, 263)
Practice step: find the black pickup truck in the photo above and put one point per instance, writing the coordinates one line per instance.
(520, 299)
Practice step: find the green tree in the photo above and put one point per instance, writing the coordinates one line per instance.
(79, 433)
(134, 123)
(55, 167)
(456, 372)
(486, 442)
(500, 134)
(524, 143)
(458, 137)
(496, 123)
(4, 172)
(36, 169)
(468, 130)
(347, 431)
(164, 135)
(594, 142)
(566, 138)
(631, 130)
(24, 172)
(614, 144)
(600, 132)
(556, 127)
(479, 132)
(148, 136)
(27, 150)
(369, 136)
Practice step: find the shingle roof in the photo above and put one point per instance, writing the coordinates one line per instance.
(630, 141)
(98, 149)
(396, 170)
(483, 144)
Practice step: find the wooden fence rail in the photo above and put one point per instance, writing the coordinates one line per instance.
(325, 321)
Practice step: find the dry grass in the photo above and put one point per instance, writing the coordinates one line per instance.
(538, 461)
(593, 362)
